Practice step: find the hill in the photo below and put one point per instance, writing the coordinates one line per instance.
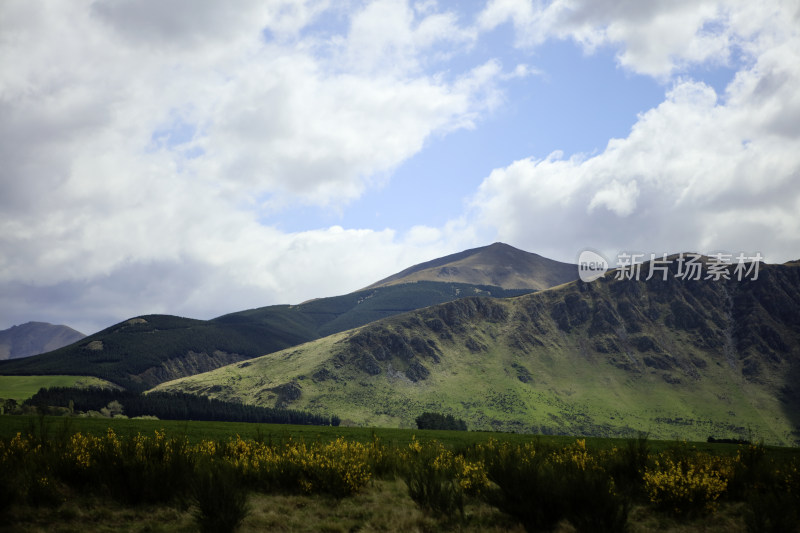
(144, 351)
(678, 358)
(33, 338)
(498, 264)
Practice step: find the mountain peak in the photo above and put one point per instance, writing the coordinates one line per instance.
(34, 338)
(497, 264)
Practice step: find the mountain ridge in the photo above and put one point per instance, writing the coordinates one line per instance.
(678, 358)
(143, 351)
(33, 338)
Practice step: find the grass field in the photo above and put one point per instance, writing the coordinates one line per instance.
(196, 431)
(21, 388)
(62, 473)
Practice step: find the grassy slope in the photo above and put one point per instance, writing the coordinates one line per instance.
(685, 386)
(566, 395)
(23, 387)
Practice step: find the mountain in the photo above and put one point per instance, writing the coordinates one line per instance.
(498, 264)
(144, 351)
(677, 358)
(33, 338)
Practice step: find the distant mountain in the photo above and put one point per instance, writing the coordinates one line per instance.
(144, 351)
(33, 338)
(677, 358)
(498, 264)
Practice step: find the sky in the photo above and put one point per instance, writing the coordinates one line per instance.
(196, 157)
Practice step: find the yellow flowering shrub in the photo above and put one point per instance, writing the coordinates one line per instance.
(575, 454)
(439, 479)
(684, 486)
(339, 468)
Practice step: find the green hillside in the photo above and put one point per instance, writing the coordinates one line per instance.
(680, 359)
(144, 351)
(21, 388)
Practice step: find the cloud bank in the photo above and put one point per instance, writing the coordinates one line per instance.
(143, 144)
(701, 171)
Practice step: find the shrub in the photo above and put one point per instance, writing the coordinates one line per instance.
(541, 487)
(751, 471)
(384, 462)
(42, 491)
(220, 499)
(686, 486)
(438, 480)
(773, 501)
(772, 511)
(627, 465)
(137, 470)
(340, 468)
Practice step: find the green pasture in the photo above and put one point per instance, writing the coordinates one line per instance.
(21, 388)
(196, 431)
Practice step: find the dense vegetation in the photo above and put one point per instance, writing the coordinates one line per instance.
(439, 421)
(536, 485)
(171, 406)
(142, 352)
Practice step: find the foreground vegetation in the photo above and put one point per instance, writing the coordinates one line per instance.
(60, 476)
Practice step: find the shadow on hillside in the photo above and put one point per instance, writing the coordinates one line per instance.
(790, 399)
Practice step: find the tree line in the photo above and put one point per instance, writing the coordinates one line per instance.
(437, 421)
(173, 406)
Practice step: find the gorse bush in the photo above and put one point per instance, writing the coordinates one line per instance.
(137, 470)
(687, 486)
(439, 480)
(535, 484)
(219, 498)
(626, 465)
(384, 461)
(541, 486)
(770, 489)
(339, 468)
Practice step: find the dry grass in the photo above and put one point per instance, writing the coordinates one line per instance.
(382, 506)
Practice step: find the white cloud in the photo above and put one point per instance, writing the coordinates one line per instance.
(700, 171)
(141, 148)
(141, 144)
(616, 197)
(389, 36)
(657, 38)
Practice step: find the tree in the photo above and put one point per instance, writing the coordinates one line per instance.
(438, 421)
